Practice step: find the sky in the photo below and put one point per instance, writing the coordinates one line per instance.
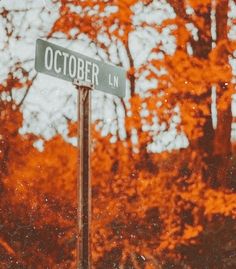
(50, 101)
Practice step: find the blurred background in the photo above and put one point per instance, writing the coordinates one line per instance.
(163, 158)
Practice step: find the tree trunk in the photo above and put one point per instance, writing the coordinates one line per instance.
(201, 49)
(222, 139)
(131, 73)
(214, 145)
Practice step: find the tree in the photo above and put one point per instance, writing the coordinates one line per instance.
(218, 58)
(149, 210)
(208, 66)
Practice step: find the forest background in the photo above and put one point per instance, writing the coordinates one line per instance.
(163, 158)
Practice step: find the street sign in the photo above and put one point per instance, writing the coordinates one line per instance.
(68, 65)
(81, 70)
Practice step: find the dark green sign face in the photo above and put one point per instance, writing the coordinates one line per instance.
(68, 65)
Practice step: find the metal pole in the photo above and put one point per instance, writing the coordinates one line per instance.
(84, 184)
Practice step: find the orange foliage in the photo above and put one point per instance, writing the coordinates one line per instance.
(149, 210)
(93, 19)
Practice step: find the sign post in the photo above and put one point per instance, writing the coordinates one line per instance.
(71, 66)
(84, 184)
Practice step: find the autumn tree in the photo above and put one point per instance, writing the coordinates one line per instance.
(34, 228)
(205, 65)
(212, 50)
(150, 210)
(36, 224)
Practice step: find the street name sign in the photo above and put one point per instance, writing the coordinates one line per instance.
(72, 66)
(81, 70)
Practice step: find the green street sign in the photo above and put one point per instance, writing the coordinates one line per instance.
(72, 66)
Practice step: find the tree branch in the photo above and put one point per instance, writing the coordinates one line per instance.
(27, 90)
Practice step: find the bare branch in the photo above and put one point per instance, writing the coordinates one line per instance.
(27, 90)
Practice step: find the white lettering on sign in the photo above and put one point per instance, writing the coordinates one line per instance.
(87, 71)
(113, 81)
(72, 66)
(95, 72)
(57, 69)
(68, 65)
(116, 80)
(65, 55)
(75, 67)
(80, 73)
(48, 56)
